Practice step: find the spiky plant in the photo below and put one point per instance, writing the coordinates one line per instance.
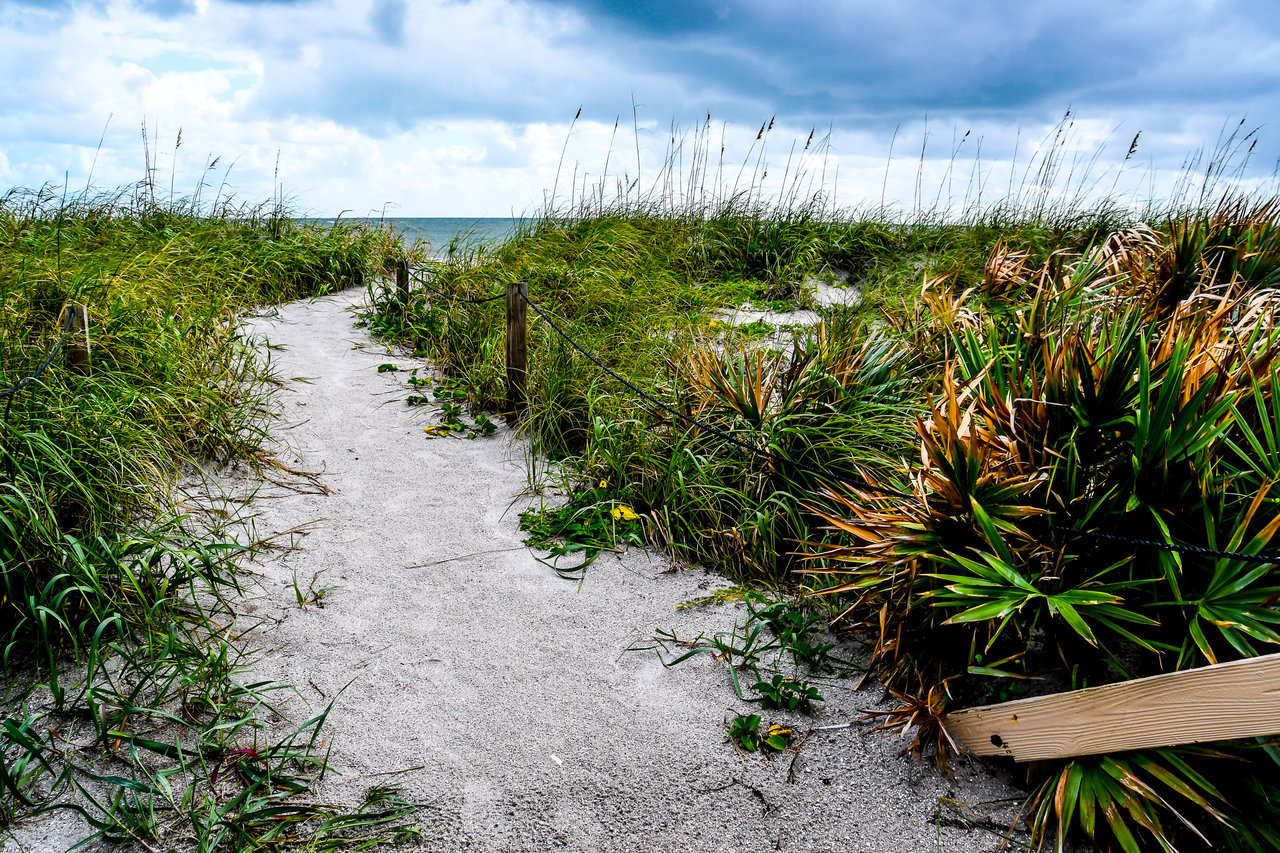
(1099, 401)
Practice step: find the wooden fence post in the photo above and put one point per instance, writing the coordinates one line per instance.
(78, 348)
(402, 284)
(517, 364)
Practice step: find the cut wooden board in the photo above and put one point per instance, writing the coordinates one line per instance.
(1230, 700)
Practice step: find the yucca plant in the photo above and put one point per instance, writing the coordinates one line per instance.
(1113, 397)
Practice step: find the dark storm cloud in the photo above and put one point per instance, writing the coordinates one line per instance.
(826, 60)
(850, 64)
(655, 17)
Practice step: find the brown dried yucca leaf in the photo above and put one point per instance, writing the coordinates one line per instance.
(920, 716)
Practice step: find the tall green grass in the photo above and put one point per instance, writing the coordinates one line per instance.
(172, 379)
(121, 693)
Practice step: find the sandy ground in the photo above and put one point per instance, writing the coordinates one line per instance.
(505, 692)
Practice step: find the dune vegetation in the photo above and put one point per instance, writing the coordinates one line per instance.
(1034, 447)
(123, 697)
(1037, 451)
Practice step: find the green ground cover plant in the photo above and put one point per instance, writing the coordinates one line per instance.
(122, 693)
(965, 468)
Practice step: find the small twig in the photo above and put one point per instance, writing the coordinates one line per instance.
(766, 806)
(464, 556)
(392, 772)
(266, 543)
(726, 786)
(795, 755)
(312, 477)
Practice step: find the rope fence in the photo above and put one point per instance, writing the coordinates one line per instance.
(454, 298)
(517, 297)
(74, 316)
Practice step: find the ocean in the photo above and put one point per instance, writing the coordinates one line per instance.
(441, 231)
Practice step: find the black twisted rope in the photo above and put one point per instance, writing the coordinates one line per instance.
(716, 431)
(1195, 550)
(66, 333)
(452, 297)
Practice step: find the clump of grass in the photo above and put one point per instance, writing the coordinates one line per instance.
(771, 656)
(121, 695)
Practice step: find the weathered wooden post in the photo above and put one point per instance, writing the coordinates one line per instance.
(402, 285)
(78, 348)
(517, 364)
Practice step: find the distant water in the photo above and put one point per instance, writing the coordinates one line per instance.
(439, 232)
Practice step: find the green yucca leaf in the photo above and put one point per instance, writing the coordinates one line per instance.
(1148, 764)
(992, 535)
(1119, 828)
(1072, 618)
(1067, 799)
(1089, 802)
(1085, 598)
(995, 672)
(983, 612)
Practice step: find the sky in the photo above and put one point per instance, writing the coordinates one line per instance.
(500, 107)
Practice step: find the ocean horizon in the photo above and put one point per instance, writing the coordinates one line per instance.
(440, 233)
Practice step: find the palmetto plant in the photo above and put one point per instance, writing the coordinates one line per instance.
(1100, 401)
(823, 412)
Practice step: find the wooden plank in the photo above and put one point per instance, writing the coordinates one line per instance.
(1239, 699)
(517, 364)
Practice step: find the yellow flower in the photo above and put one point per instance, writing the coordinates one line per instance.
(604, 483)
(622, 512)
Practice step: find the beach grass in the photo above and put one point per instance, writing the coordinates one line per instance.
(123, 699)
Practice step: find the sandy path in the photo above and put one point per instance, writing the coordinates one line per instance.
(509, 686)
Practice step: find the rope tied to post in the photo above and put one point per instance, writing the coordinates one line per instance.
(68, 327)
(517, 293)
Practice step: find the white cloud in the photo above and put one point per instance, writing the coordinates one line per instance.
(442, 107)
